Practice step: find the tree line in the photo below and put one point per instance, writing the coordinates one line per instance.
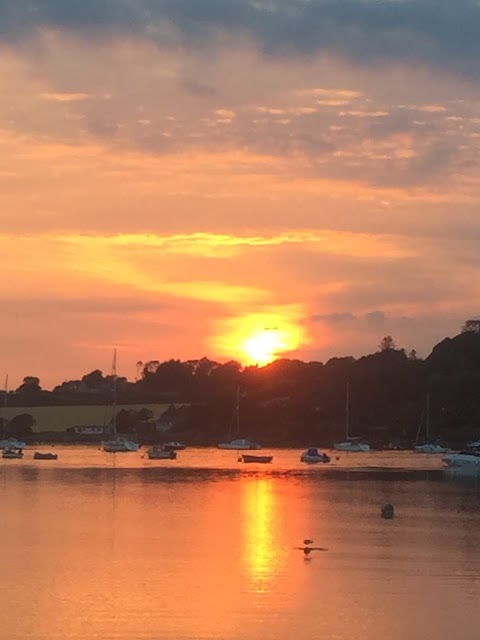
(290, 401)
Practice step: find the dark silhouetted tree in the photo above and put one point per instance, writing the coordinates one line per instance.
(387, 343)
(471, 326)
(30, 384)
(94, 379)
(20, 425)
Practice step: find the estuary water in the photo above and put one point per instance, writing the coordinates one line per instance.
(114, 546)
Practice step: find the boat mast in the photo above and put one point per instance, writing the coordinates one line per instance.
(4, 408)
(427, 411)
(425, 415)
(114, 376)
(237, 413)
(347, 410)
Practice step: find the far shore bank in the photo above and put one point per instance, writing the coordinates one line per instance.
(197, 440)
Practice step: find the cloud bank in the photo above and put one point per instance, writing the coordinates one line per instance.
(436, 32)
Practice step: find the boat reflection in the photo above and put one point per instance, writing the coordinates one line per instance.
(469, 475)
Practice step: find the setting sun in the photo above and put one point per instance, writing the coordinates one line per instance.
(264, 346)
(260, 338)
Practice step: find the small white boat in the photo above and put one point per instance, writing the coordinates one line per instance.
(473, 445)
(313, 456)
(431, 447)
(12, 453)
(253, 458)
(350, 443)
(428, 446)
(12, 443)
(159, 453)
(120, 444)
(464, 459)
(240, 444)
(9, 443)
(174, 446)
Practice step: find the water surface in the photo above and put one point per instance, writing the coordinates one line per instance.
(115, 546)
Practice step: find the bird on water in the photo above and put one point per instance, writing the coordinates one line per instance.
(307, 549)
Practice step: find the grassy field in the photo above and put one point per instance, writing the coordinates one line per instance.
(60, 418)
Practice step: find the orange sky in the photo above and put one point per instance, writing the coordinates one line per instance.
(192, 185)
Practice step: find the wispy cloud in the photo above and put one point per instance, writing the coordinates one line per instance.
(211, 244)
(172, 168)
(64, 97)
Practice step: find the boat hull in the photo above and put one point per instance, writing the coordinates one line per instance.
(12, 455)
(161, 454)
(120, 445)
(313, 456)
(239, 445)
(261, 459)
(44, 456)
(174, 446)
(431, 448)
(352, 446)
(462, 460)
(314, 459)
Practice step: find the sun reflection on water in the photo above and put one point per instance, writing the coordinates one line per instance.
(260, 519)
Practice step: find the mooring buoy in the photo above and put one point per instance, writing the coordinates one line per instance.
(387, 511)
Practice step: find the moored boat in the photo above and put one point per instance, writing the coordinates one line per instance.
(120, 444)
(473, 446)
(354, 444)
(8, 443)
(313, 456)
(174, 446)
(159, 453)
(431, 447)
(12, 443)
(253, 458)
(117, 443)
(12, 453)
(463, 459)
(38, 455)
(239, 444)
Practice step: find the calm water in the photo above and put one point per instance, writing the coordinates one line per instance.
(108, 546)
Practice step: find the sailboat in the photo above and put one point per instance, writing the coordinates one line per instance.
(427, 446)
(118, 443)
(10, 444)
(238, 443)
(351, 443)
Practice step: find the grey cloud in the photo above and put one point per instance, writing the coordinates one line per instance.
(375, 318)
(438, 32)
(198, 89)
(404, 282)
(102, 128)
(97, 306)
(372, 320)
(345, 318)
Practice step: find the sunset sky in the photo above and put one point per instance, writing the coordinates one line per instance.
(236, 179)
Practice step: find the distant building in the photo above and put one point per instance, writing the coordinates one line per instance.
(88, 431)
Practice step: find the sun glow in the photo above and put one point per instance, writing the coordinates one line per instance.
(266, 345)
(260, 338)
